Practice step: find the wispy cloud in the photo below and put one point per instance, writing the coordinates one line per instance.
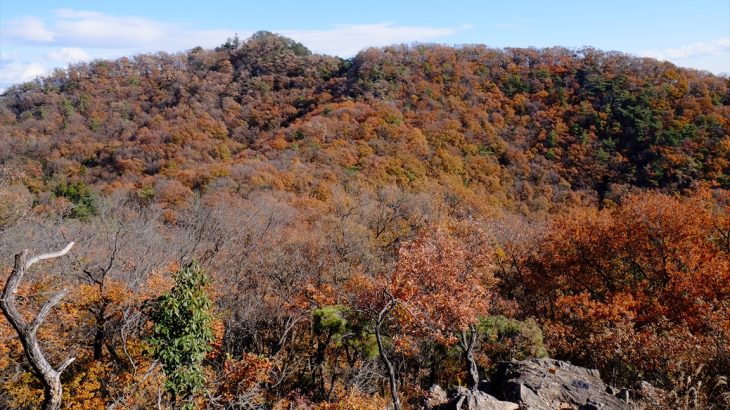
(77, 35)
(31, 29)
(68, 55)
(91, 29)
(715, 47)
(16, 72)
(347, 40)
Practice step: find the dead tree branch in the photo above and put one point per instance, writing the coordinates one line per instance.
(27, 332)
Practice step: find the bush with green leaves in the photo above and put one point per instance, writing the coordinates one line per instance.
(505, 339)
(330, 320)
(85, 201)
(332, 323)
(182, 334)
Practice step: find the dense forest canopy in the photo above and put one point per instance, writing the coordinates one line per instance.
(582, 195)
(533, 128)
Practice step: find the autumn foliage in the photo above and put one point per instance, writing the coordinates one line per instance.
(639, 290)
(371, 226)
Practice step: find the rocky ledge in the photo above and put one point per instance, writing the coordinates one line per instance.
(536, 384)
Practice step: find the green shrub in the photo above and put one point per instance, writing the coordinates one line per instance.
(331, 322)
(85, 201)
(182, 334)
(505, 339)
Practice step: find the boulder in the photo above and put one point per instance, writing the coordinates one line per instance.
(553, 384)
(466, 399)
(436, 397)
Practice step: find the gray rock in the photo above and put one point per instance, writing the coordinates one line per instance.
(436, 396)
(553, 384)
(466, 399)
(526, 397)
(648, 396)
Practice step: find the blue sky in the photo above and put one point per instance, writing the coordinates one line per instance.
(37, 36)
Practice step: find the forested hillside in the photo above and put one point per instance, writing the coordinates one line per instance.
(366, 226)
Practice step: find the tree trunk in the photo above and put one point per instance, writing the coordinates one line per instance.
(27, 332)
(318, 368)
(392, 380)
(467, 344)
(100, 335)
(52, 395)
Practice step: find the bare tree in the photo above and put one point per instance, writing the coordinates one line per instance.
(27, 332)
(378, 326)
(123, 246)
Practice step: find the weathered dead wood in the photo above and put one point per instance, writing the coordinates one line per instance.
(27, 332)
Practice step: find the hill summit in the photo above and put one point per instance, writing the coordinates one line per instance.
(532, 129)
(258, 226)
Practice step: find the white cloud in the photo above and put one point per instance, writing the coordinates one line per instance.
(33, 46)
(68, 55)
(30, 29)
(78, 14)
(91, 29)
(7, 56)
(18, 72)
(14, 69)
(718, 46)
(347, 40)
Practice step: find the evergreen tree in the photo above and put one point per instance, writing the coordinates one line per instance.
(182, 333)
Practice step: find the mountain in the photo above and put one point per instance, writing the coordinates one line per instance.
(532, 129)
(570, 202)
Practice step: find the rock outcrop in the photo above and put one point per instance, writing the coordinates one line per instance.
(436, 397)
(466, 399)
(553, 384)
(540, 384)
